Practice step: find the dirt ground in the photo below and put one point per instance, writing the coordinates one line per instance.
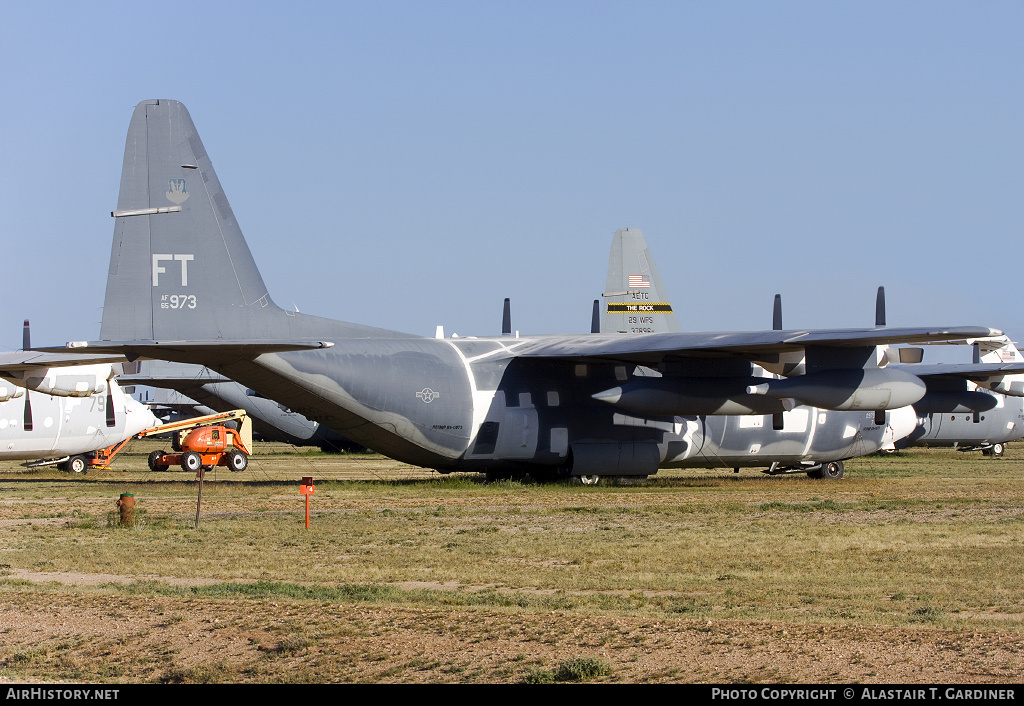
(111, 638)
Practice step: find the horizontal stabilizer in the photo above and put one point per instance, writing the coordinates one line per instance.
(55, 358)
(212, 351)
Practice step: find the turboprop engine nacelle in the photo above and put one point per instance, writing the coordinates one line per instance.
(867, 389)
(939, 401)
(77, 381)
(686, 396)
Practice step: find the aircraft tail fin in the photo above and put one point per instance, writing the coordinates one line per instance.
(998, 350)
(179, 265)
(636, 301)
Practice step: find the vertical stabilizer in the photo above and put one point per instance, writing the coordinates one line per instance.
(635, 298)
(1000, 350)
(997, 350)
(179, 266)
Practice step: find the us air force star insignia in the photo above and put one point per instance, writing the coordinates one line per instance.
(428, 395)
(176, 191)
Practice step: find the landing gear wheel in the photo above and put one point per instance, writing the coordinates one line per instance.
(77, 464)
(589, 480)
(191, 461)
(238, 460)
(998, 449)
(154, 461)
(833, 470)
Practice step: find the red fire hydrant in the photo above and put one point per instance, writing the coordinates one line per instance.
(126, 504)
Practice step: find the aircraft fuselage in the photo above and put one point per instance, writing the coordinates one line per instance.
(66, 426)
(997, 419)
(469, 405)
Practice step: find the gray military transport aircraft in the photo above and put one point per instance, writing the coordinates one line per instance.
(182, 285)
(977, 406)
(800, 440)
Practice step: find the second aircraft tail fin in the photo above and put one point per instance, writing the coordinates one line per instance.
(635, 298)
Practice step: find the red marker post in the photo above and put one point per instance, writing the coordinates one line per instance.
(307, 489)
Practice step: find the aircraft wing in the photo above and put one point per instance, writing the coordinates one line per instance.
(975, 372)
(754, 345)
(27, 360)
(644, 349)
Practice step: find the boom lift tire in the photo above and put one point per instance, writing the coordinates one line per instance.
(238, 460)
(154, 459)
(191, 461)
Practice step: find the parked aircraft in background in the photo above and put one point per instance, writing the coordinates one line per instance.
(977, 406)
(547, 405)
(63, 414)
(217, 393)
(169, 405)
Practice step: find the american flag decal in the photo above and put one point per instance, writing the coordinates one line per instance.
(638, 282)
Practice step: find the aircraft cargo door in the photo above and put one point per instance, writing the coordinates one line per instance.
(506, 432)
(518, 435)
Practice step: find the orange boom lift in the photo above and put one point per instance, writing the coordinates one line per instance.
(205, 442)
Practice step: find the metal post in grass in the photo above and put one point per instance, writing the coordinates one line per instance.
(200, 474)
(307, 489)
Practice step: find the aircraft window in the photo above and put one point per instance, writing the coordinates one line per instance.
(581, 370)
(620, 372)
(525, 400)
(552, 398)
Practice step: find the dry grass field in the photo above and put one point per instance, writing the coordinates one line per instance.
(906, 570)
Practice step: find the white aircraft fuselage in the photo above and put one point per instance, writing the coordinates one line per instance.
(56, 426)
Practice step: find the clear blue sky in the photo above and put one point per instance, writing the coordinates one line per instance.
(408, 164)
